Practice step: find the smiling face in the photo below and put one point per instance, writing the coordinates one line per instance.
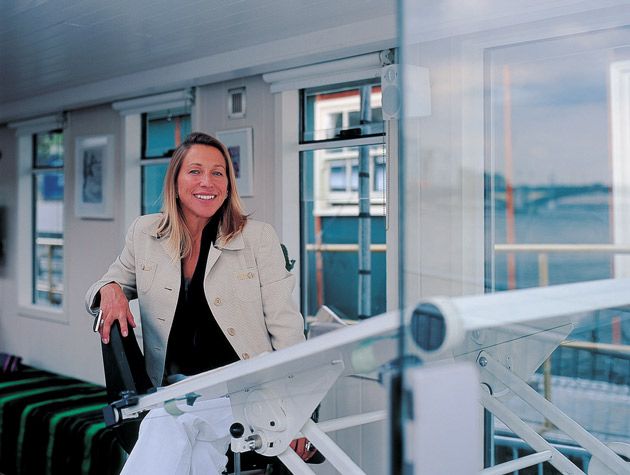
(202, 184)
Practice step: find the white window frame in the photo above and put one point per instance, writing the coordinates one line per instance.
(620, 122)
(24, 131)
(286, 86)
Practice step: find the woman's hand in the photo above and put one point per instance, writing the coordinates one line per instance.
(303, 448)
(114, 306)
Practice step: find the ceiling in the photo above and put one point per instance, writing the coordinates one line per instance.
(56, 54)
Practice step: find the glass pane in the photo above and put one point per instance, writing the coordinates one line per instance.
(48, 239)
(514, 174)
(331, 242)
(48, 149)
(152, 186)
(556, 186)
(331, 110)
(164, 131)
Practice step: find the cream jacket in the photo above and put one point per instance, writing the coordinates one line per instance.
(246, 284)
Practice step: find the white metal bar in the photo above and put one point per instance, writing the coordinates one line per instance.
(333, 425)
(517, 464)
(294, 463)
(344, 247)
(555, 415)
(616, 248)
(610, 348)
(341, 143)
(525, 432)
(337, 457)
(49, 241)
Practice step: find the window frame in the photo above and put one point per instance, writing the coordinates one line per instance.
(348, 205)
(25, 132)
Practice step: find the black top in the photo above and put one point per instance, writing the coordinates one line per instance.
(196, 343)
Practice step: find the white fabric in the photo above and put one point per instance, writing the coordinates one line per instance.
(193, 443)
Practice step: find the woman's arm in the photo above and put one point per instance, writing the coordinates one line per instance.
(111, 293)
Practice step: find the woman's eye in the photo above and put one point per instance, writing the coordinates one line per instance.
(217, 173)
(194, 172)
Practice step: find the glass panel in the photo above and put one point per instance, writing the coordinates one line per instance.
(514, 173)
(48, 150)
(152, 186)
(331, 110)
(555, 186)
(164, 131)
(330, 234)
(48, 244)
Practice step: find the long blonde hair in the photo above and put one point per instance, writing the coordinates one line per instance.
(172, 226)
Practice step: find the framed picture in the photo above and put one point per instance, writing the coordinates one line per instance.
(239, 144)
(94, 177)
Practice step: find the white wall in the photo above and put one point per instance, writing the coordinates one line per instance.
(211, 111)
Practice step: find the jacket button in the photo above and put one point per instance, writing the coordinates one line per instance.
(218, 301)
(245, 356)
(231, 331)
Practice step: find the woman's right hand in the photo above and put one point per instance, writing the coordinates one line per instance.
(114, 306)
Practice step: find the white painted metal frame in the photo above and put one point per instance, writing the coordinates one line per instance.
(563, 422)
(274, 394)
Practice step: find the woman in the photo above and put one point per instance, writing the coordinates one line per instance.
(202, 272)
(211, 284)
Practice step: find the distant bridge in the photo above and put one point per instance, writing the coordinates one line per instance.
(527, 197)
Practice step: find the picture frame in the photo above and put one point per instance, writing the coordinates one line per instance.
(94, 177)
(240, 145)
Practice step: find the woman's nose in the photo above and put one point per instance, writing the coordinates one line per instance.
(206, 179)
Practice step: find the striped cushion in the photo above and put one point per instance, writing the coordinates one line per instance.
(52, 424)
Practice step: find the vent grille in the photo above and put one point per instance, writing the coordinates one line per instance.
(236, 103)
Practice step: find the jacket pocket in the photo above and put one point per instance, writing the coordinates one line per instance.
(145, 274)
(247, 285)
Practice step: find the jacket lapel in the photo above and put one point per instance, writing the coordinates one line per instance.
(235, 244)
(213, 256)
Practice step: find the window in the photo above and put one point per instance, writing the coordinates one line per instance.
(342, 190)
(162, 132)
(47, 218)
(512, 181)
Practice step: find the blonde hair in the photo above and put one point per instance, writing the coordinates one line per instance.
(172, 226)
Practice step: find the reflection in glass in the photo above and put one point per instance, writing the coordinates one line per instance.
(164, 131)
(48, 149)
(518, 178)
(335, 112)
(152, 187)
(48, 238)
(330, 230)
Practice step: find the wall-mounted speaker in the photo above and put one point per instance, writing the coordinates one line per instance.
(416, 96)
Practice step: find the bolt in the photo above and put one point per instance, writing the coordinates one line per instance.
(483, 361)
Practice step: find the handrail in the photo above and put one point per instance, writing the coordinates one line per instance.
(543, 249)
(614, 248)
(343, 247)
(610, 348)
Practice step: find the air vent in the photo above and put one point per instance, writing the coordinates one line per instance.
(236, 103)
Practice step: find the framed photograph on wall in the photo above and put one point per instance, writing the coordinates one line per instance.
(94, 177)
(239, 144)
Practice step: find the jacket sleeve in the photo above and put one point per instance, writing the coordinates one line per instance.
(122, 271)
(282, 318)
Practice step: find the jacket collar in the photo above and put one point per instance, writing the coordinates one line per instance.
(235, 244)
